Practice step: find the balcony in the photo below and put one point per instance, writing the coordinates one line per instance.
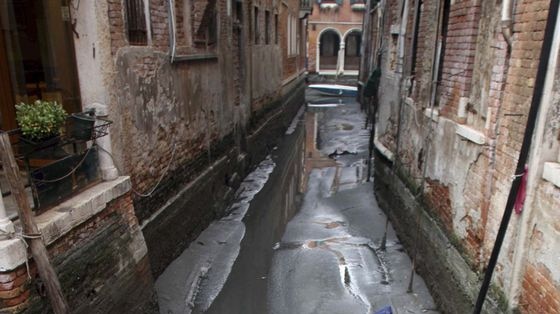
(329, 4)
(58, 168)
(305, 8)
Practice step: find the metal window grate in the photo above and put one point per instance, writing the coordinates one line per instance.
(136, 22)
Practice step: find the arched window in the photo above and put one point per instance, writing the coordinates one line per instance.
(328, 50)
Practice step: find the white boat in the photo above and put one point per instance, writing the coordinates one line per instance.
(335, 89)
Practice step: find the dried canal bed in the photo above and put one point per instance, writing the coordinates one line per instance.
(196, 277)
(325, 259)
(328, 260)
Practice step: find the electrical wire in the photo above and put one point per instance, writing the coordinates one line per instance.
(154, 188)
(66, 175)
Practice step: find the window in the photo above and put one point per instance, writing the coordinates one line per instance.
(267, 27)
(441, 38)
(136, 22)
(194, 26)
(417, 12)
(205, 25)
(36, 57)
(256, 26)
(276, 29)
(292, 35)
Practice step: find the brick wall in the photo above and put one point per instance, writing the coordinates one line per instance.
(15, 289)
(540, 294)
(466, 184)
(95, 265)
(438, 197)
(117, 24)
(530, 21)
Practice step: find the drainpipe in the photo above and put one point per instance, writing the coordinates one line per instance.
(172, 30)
(506, 21)
(524, 152)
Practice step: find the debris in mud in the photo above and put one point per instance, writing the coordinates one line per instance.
(337, 153)
(345, 126)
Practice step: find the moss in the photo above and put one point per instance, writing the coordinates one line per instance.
(500, 298)
(425, 205)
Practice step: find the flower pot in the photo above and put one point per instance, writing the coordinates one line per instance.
(82, 126)
(34, 146)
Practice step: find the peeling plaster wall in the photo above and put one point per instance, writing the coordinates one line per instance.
(93, 54)
(466, 181)
(267, 72)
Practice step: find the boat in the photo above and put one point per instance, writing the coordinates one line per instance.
(335, 89)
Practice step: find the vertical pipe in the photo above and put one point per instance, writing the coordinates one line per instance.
(506, 21)
(172, 30)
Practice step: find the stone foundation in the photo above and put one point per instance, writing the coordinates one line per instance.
(97, 248)
(441, 263)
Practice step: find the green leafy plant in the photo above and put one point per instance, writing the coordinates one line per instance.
(41, 119)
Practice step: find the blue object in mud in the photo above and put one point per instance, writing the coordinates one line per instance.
(385, 310)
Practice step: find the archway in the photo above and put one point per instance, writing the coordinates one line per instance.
(352, 53)
(329, 45)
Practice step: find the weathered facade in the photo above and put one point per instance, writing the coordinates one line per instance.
(335, 30)
(453, 105)
(198, 91)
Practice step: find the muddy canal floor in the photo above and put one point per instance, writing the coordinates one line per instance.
(321, 257)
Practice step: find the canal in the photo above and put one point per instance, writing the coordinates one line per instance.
(304, 233)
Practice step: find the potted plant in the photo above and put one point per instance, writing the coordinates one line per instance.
(40, 122)
(82, 125)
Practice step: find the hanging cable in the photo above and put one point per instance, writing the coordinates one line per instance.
(154, 188)
(66, 175)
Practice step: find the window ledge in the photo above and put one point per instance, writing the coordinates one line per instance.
(195, 57)
(62, 218)
(551, 173)
(471, 134)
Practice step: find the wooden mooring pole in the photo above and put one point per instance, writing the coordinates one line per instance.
(30, 230)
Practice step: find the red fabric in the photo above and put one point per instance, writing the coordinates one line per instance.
(521, 193)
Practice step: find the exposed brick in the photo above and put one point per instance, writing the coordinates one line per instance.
(7, 277)
(19, 299)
